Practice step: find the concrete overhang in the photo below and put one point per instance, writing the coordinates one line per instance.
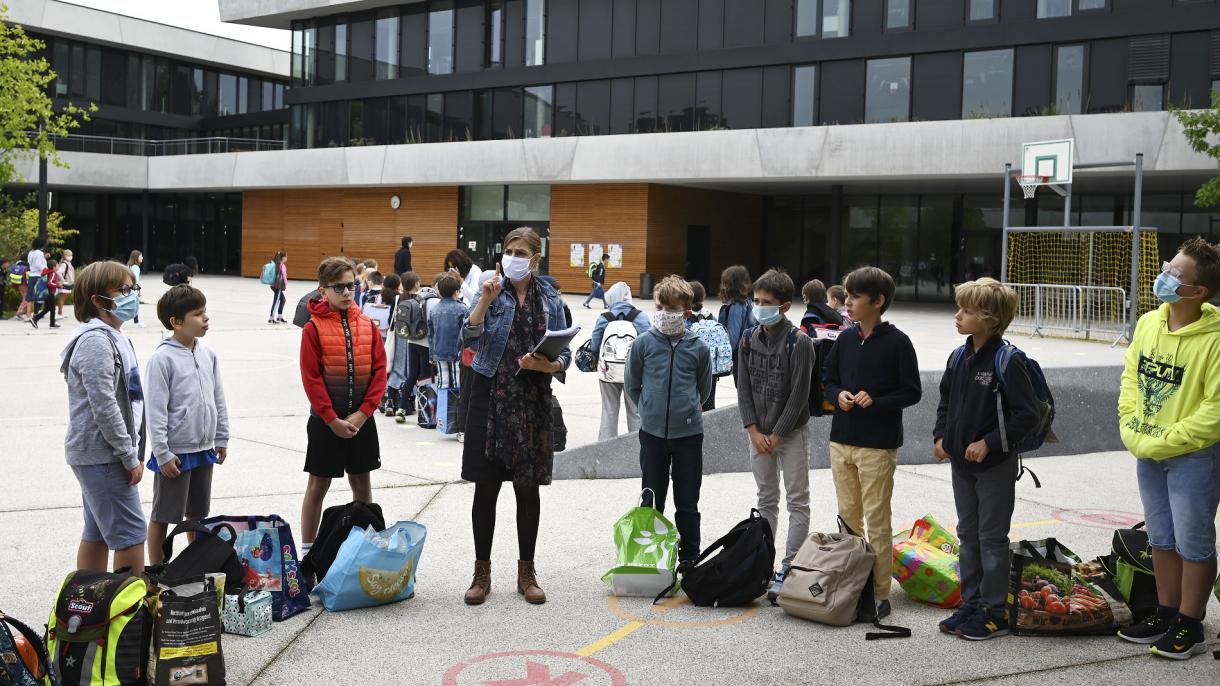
(279, 14)
(932, 154)
(109, 28)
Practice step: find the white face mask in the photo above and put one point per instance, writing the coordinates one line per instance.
(669, 323)
(515, 268)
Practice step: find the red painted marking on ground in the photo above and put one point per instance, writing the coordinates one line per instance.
(519, 670)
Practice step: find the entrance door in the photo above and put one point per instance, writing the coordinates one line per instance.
(698, 253)
(484, 240)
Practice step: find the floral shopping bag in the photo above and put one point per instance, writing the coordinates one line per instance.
(647, 545)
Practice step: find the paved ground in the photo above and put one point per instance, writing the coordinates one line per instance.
(581, 635)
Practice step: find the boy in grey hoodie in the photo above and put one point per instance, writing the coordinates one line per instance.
(776, 361)
(188, 421)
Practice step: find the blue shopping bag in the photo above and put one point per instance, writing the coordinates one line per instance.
(373, 567)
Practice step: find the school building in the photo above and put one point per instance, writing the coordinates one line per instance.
(681, 136)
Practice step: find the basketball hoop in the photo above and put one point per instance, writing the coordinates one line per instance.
(1029, 183)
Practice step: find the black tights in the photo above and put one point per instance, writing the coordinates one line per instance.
(483, 517)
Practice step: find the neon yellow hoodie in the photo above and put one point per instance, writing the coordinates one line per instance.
(1169, 400)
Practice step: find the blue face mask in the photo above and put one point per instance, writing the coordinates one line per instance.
(126, 307)
(767, 315)
(1166, 287)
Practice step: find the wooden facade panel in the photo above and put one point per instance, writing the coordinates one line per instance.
(599, 213)
(736, 227)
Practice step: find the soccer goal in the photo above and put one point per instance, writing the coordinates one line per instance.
(1088, 282)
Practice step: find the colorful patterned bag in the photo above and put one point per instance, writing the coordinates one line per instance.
(926, 564)
(247, 613)
(267, 551)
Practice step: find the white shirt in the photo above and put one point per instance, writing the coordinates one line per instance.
(470, 285)
(38, 262)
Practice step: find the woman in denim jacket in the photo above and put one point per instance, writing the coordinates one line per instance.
(508, 421)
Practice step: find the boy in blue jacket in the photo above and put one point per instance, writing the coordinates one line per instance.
(669, 377)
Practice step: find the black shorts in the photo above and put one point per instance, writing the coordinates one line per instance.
(329, 456)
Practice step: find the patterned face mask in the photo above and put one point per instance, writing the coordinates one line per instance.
(669, 323)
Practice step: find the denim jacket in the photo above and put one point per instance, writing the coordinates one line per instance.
(446, 318)
(492, 334)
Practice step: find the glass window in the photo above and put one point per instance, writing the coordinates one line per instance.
(646, 104)
(355, 131)
(987, 84)
(228, 94)
(494, 40)
(836, 18)
(707, 101)
(93, 73)
(676, 101)
(298, 49)
(539, 107)
(1048, 9)
(529, 203)
(805, 95)
(434, 118)
(1148, 97)
(1069, 79)
(386, 51)
(187, 90)
(742, 98)
(1085, 5)
(360, 50)
(898, 243)
(60, 60)
(309, 57)
(279, 96)
(1215, 88)
(486, 203)
(114, 73)
(507, 112)
(326, 54)
(535, 32)
(243, 95)
(459, 116)
(888, 97)
(858, 245)
(135, 84)
(340, 52)
(897, 14)
(254, 94)
(806, 17)
(440, 38)
(982, 10)
(396, 121)
(76, 72)
(268, 102)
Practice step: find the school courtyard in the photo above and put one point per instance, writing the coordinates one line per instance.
(582, 635)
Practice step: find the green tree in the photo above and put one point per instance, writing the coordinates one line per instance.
(29, 121)
(1200, 126)
(19, 226)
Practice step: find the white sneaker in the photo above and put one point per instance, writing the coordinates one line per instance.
(461, 437)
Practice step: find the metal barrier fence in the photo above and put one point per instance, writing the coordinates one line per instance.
(1097, 312)
(111, 145)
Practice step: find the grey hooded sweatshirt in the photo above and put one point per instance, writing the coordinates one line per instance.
(185, 401)
(105, 410)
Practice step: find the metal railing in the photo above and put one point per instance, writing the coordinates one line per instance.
(1072, 311)
(113, 145)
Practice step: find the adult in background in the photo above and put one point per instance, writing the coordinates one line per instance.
(597, 272)
(402, 258)
(67, 277)
(508, 422)
(278, 286)
(460, 264)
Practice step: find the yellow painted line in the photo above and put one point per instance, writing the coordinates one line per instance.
(611, 638)
(424, 443)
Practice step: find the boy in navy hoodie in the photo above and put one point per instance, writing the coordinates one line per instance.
(871, 375)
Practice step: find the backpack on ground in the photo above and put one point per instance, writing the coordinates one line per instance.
(99, 630)
(1043, 432)
(337, 523)
(268, 276)
(736, 569)
(617, 339)
(425, 406)
(830, 582)
(23, 655)
(716, 338)
(411, 319)
(207, 554)
(186, 634)
(1129, 564)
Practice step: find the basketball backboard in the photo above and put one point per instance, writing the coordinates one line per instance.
(1049, 159)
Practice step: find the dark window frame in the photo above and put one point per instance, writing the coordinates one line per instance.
(910, 86)
(817, 93)
(993, 19)
(885, 18)
(1084, 76)
(1012, 85)
(1106, 4)
(1142, 83)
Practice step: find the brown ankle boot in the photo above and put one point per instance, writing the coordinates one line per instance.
(527, 583)
(480, 586)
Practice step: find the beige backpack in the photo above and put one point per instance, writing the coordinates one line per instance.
(827, 578)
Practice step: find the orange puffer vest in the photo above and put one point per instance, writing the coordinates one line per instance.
(347, 341)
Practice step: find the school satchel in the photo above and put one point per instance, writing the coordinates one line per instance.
(736, 569)
(1129, 564)
(176, 274)
(411, 320)
(300, 316)
(207, 554)
(617, 339)
(23, 655)
(99, 630)
(337, 523)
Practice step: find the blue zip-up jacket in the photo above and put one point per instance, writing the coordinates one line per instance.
(492, 334)
(679, 381)
(736, 317)
(619, 309)
(446, 317)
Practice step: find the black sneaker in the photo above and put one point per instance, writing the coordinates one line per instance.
(1181, 642)
(983, 625)
(33, 322)
(957, 619)
(1148, 631)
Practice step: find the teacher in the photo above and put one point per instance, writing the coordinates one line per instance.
(508, 422)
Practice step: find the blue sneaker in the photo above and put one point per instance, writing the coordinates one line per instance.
(957, 619)
(777, 582)
(983, 625)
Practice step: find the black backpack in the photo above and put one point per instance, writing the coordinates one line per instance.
(300, 317)
(734, 570)
(207, 554)
(411, 320)
(337, 523)
(559, 430)
(13, 666)
(1129, 565)
(176, 274)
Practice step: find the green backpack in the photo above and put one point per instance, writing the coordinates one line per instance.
(99, 631)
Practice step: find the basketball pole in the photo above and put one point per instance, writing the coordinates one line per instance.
(1004, 233)
(1137, 208)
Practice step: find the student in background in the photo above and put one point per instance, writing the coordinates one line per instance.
(621, 309)
(735, 312)
(135, 262)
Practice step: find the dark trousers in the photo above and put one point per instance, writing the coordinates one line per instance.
(985, 501)
(465, 377)
(277, 297)
(483, 518)
(598, 293)
(711, 399)
(44, 306)
(683, 458)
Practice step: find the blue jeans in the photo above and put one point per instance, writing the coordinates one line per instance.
(685, 457)
(1181, 496)
(598, 293)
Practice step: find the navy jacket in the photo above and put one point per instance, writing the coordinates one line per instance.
(884, 364)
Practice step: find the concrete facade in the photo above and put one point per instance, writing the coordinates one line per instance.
(279, 14)
(931, 151)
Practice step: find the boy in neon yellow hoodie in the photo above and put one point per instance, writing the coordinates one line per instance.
(1169, 418)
